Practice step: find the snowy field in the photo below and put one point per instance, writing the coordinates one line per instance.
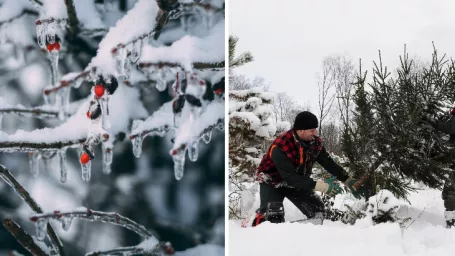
(426, 235)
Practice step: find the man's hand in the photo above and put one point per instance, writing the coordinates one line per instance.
(328, 186)
(355, 187)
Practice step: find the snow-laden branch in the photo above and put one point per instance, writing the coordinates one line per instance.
(91, 215)
(74, 79)
(189, 52)
(23, 193)
(23, 238)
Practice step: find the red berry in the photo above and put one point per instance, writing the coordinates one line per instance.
(202, 82)
(85, 158)
(453, 111)
(54, 46)
(99, 90)
(219, 91)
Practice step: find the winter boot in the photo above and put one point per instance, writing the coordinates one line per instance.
(259, 219)
(275, 212)
(450, 219)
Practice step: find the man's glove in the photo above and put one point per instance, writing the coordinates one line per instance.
(328, 186)
(355, 187)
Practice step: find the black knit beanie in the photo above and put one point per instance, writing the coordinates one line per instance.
(305, 120)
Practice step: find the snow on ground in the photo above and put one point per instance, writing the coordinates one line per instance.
(426, 236)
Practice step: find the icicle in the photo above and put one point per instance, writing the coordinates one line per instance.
(107, 159)
(41, 34)
(137, 146)
(137, 141)
(54, 66)
(160, 81)
(136, 51)
(206, 137)
(62, 103)
(193, 151)
(34, 162)
(179, 163)
(50, 33)
(127, 69)
(41, 226)
(1, 121)
(66, 223)
(63, 167)
(104, 116)
(119, 58)
(87, 171)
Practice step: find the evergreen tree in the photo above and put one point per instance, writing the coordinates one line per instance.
(396, 136)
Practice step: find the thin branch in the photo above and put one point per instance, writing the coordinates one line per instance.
(164, 129)
(32, 112)
(29, 146)
(65, 83)
(90, 215)
(30, 12)
(10, 180)
(23, 238)
(73, 21)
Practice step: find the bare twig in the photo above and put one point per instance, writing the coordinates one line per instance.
(30, 12)
(73, 21)
(36, 2)
(23, 238)
(90, 215)
(10, 180)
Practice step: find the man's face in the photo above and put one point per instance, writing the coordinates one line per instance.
(307, 135)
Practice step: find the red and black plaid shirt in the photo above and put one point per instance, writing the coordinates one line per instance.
(302, 159)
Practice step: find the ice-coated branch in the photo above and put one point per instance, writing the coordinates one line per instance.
(93, 32)
(24, 12)
(23, 193)
(145, 248)
(91, 215)
(196, 65)
(159, 130)
(70, 79)
(73, 21)
(31, 112)
(31, 146)
(23, 238)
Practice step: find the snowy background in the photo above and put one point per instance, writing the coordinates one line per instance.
(185, 208)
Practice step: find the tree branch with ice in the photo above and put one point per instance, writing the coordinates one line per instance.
(23, 193)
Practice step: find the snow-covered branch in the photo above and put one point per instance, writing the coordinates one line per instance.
(23, 193)
(23, 238)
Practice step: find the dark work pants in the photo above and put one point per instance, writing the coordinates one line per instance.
(448, 195)
(308, 203)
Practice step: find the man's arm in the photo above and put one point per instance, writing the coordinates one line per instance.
(331, 166)
(288, 171)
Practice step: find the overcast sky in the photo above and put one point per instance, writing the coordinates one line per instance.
(290, 38)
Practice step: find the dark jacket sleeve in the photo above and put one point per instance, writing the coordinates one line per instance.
(331, 166)
(288, 171)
